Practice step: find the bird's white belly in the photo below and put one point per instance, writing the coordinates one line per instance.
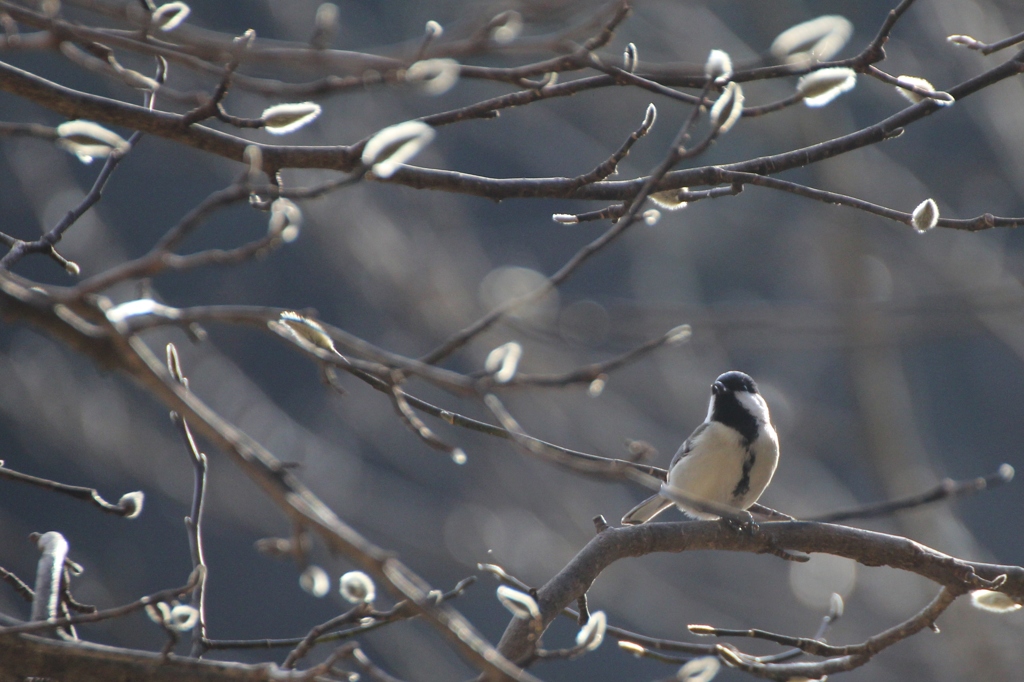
(714, 468)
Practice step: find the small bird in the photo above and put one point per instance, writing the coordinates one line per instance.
(728, 460)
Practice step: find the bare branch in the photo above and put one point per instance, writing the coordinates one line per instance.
(128, 506)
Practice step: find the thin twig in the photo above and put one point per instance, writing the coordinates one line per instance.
(403, 610)
(20, 586)
(106, 614)
(312, 637)
(49, 240)
(947, 489)
(124, 507)
(194, 521)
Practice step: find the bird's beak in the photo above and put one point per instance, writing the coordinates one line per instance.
(718, 388)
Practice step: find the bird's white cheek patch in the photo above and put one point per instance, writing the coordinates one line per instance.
(755, 405)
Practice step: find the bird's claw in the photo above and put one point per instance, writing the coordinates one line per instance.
(743, 522)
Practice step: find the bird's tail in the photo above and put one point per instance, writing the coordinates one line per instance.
(646, 510)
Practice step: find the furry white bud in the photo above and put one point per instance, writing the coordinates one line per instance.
(391, 147)
(925, 216)
(719, 66)
(679, 334)
(652, 216)
(253, 156)
(182, 618)
(650, 116)
(727, 108)
(632, 648)
(701, 669)
(630, 56)
(815, 40)
(433, 29)
(159, 613)
(282, 119)
(88, 140)
(131, 504)
(285, 220)
(914, 81)
(591, 635)
(141, 306)
(818, 88)
(507, 27)
(433, 76)
(668, 199)
(49, 573)
(836, 606)
(308, 330)
(941, 98)
(565, 218)
(171, 15)
(315, 581)
(996, 602)
(358, 588)
(965, 41)
(503, 361)
(519, 603)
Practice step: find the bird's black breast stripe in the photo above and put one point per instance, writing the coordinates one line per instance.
(730, 412)
(743, 487)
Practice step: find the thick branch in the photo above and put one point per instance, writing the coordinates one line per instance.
(75, 104)
(866, 547)
(28, 657)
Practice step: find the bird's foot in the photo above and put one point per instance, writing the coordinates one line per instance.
(741, 522)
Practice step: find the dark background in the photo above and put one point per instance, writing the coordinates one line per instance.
(890, 359)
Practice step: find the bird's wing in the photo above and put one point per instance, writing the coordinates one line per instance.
(688, 445)
(646, 510)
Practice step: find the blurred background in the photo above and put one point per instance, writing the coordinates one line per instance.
(890, 359)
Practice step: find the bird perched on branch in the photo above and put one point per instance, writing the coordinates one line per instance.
(727, 461)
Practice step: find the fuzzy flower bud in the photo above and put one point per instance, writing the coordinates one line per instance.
(391, 147)
(182, 618)
(308, 330)
(282, 119)
(727, 108)
(719, 66)
(433, 76)
(519, 603)
(506, 27)
(701, 669)
(591, 635)
(88, 140)
(815, 40)
(925, 216)
(358, 588)
(821, 87)
(315, 581)
(285, 220)
(170, 16)
(940, 98)
(629, 58)
(131, 504)
(996, 602)
(433, 29)
(503, 361)
(668, 199)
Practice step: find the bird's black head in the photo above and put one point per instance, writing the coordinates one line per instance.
(731, 382)
(727, 409)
